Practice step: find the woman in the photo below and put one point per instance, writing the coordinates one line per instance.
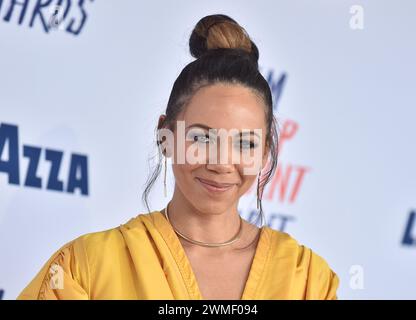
(199, 247)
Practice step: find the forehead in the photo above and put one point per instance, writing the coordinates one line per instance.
(227, 106)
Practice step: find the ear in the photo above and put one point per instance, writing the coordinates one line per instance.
(162, 119)
(160, 125)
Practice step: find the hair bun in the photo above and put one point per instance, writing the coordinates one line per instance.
(220, 31)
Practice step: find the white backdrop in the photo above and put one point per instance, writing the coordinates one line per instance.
(91, 92)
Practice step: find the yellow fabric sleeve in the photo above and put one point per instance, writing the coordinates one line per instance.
(322, 282)
(63, 276)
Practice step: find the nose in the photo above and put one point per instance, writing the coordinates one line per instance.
(221, 168)
(221, 158)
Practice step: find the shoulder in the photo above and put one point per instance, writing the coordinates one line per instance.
(80, 261)
(110, 240)
(91, 249)
(309, 268)
(284, 245)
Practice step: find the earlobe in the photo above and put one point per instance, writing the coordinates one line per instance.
(165, 149)
(162, 140)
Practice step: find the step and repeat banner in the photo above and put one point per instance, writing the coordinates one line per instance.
(82, 84)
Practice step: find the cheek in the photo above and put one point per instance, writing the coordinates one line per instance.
(247, 181)
(183, 174)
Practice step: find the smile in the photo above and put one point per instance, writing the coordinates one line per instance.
(214, 187)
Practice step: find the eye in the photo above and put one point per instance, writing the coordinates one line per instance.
(203, 138)
(247, 144)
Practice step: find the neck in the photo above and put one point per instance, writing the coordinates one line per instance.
(206, 225)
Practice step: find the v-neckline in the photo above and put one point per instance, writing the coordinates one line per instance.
(178, 252)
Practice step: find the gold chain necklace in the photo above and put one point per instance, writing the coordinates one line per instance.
(207, 244)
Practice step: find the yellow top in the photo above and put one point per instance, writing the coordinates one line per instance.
(144, 259)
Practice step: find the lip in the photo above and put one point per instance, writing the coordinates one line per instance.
(215, 186)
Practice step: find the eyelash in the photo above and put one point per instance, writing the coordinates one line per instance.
(252, 145)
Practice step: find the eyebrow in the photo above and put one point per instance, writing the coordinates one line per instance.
(203, 126)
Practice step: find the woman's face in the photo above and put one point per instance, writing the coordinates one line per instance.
(211, 178)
